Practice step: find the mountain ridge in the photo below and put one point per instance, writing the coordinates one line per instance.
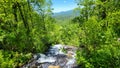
(66, 15)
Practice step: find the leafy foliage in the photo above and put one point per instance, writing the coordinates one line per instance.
(99, 48)
(27, 26)
(13, 59)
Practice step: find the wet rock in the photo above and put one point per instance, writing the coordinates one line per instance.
(51, 66)
(55, 58)
(70, 48)
(45, 65)
(71, 61)
(37, 56)
(60, 56)
(69, 55)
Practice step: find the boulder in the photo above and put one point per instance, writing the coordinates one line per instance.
(69, 55)
(52, 66)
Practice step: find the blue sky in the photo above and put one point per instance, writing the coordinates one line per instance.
(63, 5)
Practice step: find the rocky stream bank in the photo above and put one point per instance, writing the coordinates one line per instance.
(58, 56)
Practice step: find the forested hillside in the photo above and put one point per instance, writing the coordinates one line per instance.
(28, 27)
(65, 16)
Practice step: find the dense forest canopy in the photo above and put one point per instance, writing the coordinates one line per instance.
(28, 27)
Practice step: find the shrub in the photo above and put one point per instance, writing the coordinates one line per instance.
(108, 56)
(13, 59)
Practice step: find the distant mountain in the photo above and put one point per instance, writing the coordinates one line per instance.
(63, 13)
(66, 14)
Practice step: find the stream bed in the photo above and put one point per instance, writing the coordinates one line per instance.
(58, 56)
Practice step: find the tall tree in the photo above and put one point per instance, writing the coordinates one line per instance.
(86, 8)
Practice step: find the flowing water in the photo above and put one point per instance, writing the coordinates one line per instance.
(58, 56)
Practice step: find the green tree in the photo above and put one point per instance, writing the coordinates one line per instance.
(21, 21)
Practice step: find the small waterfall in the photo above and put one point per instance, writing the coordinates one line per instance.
(58, 56)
